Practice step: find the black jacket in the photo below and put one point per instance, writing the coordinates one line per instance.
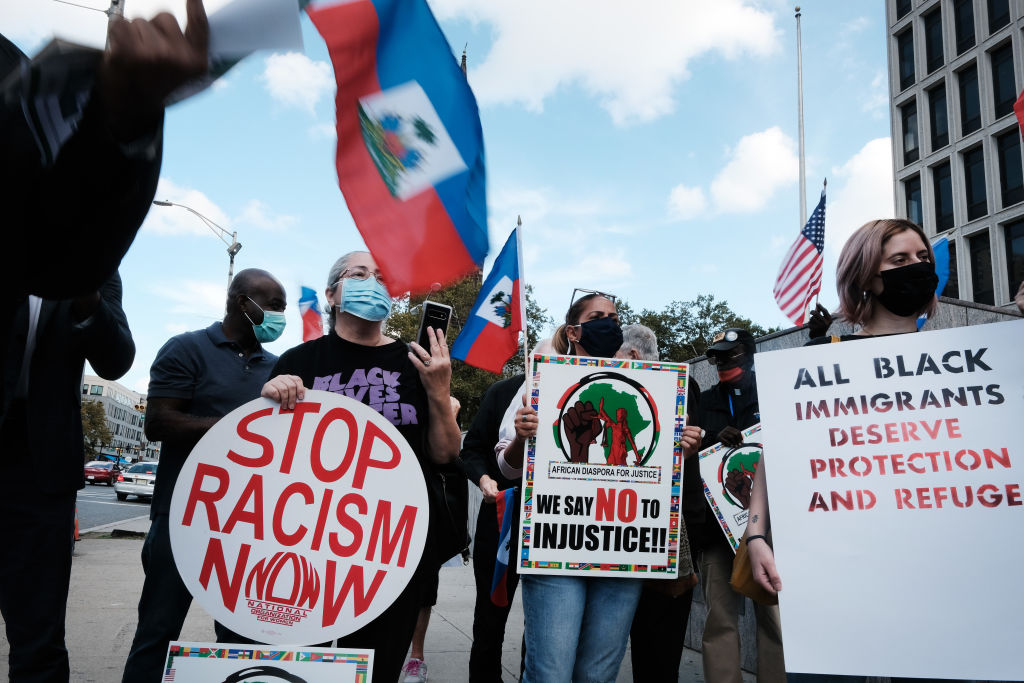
(477, 456)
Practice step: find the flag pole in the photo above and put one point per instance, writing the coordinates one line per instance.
(824, 187)
(800, 121)
(522, 304)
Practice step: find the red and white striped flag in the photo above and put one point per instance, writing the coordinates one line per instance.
(800, 275)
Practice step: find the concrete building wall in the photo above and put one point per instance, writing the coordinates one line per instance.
(125, 411)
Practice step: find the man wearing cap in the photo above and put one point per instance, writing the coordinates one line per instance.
(725, 409)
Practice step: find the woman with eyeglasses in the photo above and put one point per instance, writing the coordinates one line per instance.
(407, 384)
(577, 627)
(885, 279)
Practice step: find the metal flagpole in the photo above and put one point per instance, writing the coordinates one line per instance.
(800, 120)
(522, 305)
(115, 12)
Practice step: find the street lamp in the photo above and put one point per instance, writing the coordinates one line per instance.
(234, 246)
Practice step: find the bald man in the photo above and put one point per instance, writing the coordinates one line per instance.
(197, 378)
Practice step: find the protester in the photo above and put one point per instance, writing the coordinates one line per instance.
(196, 378)
(1019, 298)
(659, 624)
(74, 192)
(725, 409)
(416, 403)
(885, 279)
(576, 627)
(42, 430)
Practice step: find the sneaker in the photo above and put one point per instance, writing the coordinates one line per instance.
(415, 671)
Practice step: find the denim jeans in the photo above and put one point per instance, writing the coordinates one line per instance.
(576, 627)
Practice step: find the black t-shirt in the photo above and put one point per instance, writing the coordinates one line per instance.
(382, 377)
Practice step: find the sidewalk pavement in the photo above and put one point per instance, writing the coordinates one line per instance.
(106, 581)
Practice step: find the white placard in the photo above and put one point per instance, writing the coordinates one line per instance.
(602, 477)
(297, 527)
(219, 662)
(894, 469)
(727, 474)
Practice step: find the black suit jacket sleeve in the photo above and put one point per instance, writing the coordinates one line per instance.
(477, 454)
(104, 338)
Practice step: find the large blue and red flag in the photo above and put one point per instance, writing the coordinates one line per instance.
(499, 582)
(309, 310)
(410, 147)
(491, 333)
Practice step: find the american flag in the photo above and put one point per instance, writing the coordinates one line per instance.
(800, 275)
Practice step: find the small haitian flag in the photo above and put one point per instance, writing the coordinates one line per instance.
(309, 310)
(506, 502)
(410, 154)
(491, 334)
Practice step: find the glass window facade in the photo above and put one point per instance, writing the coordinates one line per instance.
(963, 23)
(902, 8)
(97, 390)
(905, 48)
(998, 14)
(938, 117)
(970, 105)
(981, 268)
(1004, 92)
(1011, 176)
(1015, 255)
(908, 113)
(933, 39)
(942, 186)
(912, 192)
(974, 183)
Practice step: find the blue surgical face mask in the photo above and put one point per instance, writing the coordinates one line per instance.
(366, 299)
(272, 326)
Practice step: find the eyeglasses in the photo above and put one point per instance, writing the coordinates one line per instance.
(587, 292)
(360, 273)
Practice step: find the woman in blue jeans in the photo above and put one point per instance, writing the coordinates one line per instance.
(577, 627)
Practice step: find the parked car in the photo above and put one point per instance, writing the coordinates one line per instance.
(137, 481)
(101, 472)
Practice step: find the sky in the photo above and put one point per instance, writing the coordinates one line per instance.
(650, 147)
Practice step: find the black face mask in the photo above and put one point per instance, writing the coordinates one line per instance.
(601, 338)
(908, 289)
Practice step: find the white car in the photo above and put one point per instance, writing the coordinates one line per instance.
(137, 481)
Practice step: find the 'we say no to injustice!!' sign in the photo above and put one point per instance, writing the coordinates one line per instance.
(297, 527)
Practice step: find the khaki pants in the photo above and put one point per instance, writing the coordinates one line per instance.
(721, 642)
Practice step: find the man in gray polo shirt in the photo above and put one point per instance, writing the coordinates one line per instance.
(197, 378)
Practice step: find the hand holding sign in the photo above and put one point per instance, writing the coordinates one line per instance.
(526, 421)
(730, 436)
(582, 425)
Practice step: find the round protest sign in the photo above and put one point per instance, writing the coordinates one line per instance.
(299, 526)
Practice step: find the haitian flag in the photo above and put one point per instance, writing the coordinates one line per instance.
(491, 333)
(309, 311)
(410, 154)
(506, 502)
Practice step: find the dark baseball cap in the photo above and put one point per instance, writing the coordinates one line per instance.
(730, 338)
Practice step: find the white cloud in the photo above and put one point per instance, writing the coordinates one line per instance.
(626, 55)
(877, 101)
(174, 220)
(295, 80)
(860, 190)
(760, 164)
(198, 298)
(257, 214)
(323, 131)
(686, 202)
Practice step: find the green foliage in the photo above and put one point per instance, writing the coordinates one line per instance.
(685, 328)
(468, 383)
(94, 428)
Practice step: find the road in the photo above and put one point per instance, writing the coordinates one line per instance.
(97, 505)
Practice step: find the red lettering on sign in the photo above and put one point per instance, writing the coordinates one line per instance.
(253, 490)
(321, 519)
(280, 535)
(627, 505)
(382, 525)
(215, 562)
(364, 461)
(197, 495)
(243, 431)
(350, 524)
(353, 583)
(300, 412)
(319, 471)
(605, 505)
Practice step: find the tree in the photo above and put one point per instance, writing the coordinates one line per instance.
(94, 428)
(685, 328)
(468, 383)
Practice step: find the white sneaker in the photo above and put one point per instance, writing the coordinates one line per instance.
(415, 671)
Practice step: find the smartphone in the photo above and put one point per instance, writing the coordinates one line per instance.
(434, 315)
